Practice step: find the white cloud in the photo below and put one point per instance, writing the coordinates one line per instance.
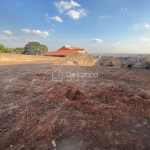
(65, 5)
(7, 32)
(145, 39)
(76, 14)
(56, 18)
(35, 32)
(102, 17)
(40, 33)
(146, 26)
(141, 26)
(52, 30)
(47, 17)
(124, 9)
(98, 40)
(26, 31)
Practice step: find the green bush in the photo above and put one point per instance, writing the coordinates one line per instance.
(19, 50)
(4, 50)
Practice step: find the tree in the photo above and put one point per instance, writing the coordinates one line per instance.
(3, 49)
(44, 48)
(34, 47)
(19, 50)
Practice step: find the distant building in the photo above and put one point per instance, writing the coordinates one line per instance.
(12, 49)
(64, 51)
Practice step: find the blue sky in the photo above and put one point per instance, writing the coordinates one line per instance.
(100, 26)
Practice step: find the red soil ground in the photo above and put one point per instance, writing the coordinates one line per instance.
(110, 112)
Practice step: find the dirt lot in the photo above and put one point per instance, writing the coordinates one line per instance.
(108, 112)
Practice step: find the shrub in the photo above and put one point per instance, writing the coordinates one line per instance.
(3, 49)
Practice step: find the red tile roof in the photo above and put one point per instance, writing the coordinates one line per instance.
(63, 51)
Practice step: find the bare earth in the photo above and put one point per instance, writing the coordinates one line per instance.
(111, 112)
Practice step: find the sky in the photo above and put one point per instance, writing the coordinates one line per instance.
(99, 26)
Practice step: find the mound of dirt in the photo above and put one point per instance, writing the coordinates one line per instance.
(83, 59)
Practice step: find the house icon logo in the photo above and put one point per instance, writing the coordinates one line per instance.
(57, 76)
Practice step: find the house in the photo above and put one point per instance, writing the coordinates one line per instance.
(64, 51)
(73, 56)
